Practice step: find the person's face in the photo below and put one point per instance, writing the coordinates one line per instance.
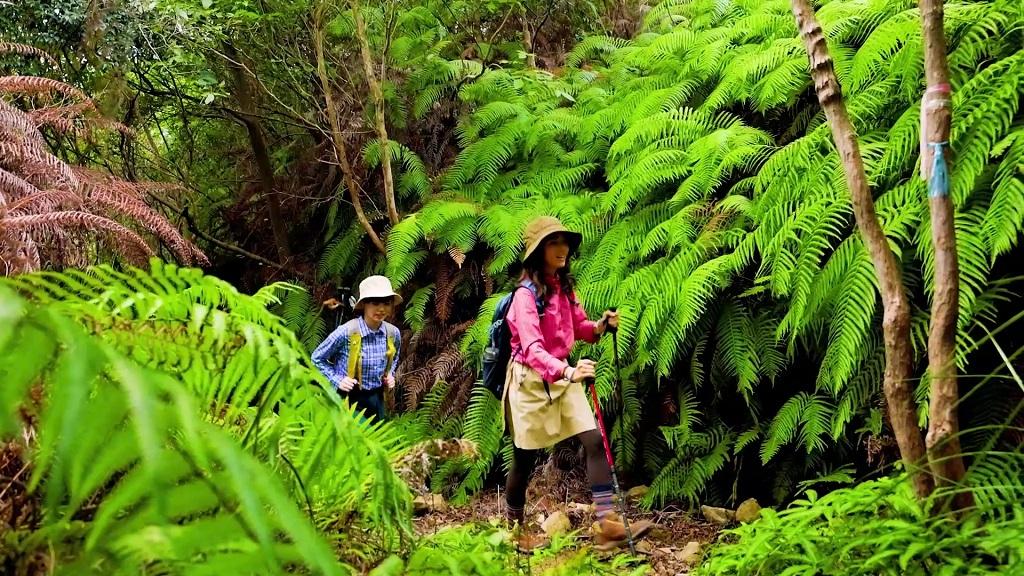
(556, 252)
(378, 309)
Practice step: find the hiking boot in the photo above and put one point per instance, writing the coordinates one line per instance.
(609, 531)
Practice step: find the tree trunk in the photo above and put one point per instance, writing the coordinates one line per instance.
(896, 309)
(338, 136)
(378, 101)
(943, 438)
(531, 58)
(258, 141)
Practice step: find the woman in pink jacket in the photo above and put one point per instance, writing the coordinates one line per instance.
(544, 399)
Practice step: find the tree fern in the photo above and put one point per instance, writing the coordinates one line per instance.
(714, 206)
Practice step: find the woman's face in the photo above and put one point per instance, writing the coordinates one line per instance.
(378, 309)
(556, 252)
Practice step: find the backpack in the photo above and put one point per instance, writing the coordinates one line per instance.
(499, 342)
(355, 350)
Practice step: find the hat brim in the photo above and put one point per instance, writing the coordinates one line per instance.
(359, 303)
(574, 238)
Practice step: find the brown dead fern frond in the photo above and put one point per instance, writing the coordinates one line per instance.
(138, 211)
(17, 127)
(50, 210)
(37, 165)
(80, 118)
(49, 201)
(13, 186)
(26, 50)
(444, 289)
(133, 243)
(39, 86)
(447, 363)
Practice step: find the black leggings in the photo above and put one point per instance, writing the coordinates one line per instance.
(523, 462)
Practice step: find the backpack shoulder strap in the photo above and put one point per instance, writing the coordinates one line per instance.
(392, 350)
(355, 348)
(536, 296)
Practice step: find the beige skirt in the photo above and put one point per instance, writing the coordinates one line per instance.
(537, 421)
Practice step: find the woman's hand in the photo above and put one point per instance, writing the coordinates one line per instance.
(609, 318)
(347, 384)
(583, 370)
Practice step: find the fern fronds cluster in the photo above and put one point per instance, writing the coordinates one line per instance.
(876, 527)
(695, 160)
(227, 363)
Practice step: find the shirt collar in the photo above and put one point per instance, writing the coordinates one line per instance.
(364, 328)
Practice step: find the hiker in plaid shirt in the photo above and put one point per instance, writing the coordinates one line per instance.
(359, 357)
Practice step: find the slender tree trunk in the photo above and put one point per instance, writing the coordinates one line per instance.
(378, 101)
(338, 136)
(943, 439)
(896, 309)
(531, 58)
(258, 141)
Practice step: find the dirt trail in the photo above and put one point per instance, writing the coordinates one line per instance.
(664, 548)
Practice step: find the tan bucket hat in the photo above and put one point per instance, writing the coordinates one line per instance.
(540, 228)
(376, 287)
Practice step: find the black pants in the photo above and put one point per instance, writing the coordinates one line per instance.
(370, 402)
(523, 462)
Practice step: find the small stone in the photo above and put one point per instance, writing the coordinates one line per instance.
(689, 554)
(748, 511)
(556, 524)
(637, 492)
(720, 516)
(644, 547)
(581, 508)
(429, 503)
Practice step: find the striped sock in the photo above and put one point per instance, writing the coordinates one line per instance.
(603, 503)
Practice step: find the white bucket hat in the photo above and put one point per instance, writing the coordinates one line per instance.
(376, 287)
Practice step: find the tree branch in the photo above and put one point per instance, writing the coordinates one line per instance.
(231, 247)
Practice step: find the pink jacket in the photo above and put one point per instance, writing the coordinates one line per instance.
(544, 343)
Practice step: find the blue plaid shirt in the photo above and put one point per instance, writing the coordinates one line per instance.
(331, 356)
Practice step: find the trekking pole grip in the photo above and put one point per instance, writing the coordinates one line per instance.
(613, 329)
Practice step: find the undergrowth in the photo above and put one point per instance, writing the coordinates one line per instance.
(486, 550)
(876, 527)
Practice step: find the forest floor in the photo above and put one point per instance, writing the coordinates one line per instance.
(672, 547)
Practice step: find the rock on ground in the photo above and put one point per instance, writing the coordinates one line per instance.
(748, 511)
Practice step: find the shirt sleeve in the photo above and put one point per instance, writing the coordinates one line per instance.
(523, 319)
(583, 329)
(336, 344)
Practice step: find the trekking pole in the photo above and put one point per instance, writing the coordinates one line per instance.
(611, 465)
(607, 444)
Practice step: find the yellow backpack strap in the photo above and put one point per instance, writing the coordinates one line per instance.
(391, 351)
(355, 347)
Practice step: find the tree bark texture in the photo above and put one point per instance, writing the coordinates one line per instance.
(338, 137)
(896, 309)
(378, 101)
(258, 141)
(943, 439)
